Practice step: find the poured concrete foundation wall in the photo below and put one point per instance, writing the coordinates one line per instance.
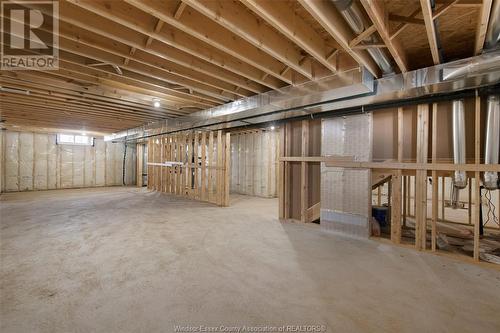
(254, 163)
(34, 161)
(345, 193)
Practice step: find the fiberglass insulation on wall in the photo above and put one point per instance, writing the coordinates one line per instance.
(253, 163)
(345, 193)
(33, 161)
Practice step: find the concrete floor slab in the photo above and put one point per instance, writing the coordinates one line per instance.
(129, 260)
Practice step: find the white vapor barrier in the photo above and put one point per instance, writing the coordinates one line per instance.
(34, 161)
(254, 163)
(345, 193)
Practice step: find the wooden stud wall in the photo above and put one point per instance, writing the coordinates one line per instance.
(411, 175)
(299, 181)
(184, 164)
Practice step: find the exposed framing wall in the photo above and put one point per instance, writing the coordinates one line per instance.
(299, 181)
(193, 164)
(418, 146)
(33, 161)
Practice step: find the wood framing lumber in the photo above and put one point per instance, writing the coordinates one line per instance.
(430, 29)
(377, 13)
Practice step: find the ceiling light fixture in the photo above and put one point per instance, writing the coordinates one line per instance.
(156, 104)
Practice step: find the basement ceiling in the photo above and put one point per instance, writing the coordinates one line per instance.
(119, 57)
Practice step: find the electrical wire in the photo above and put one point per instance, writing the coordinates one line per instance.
(491, 215)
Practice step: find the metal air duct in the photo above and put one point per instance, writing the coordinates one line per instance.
(354, 18)
(460, 178)
(491, 151)
(493, 32)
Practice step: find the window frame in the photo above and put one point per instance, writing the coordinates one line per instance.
(90, 140)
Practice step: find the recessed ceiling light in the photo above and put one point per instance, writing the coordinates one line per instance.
(272, 128)
(156, 104)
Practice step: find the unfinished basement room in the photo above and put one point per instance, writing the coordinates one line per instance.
(250, 166)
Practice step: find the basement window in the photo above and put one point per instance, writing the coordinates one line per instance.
(78, 140)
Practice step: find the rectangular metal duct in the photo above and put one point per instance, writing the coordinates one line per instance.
(353, 89)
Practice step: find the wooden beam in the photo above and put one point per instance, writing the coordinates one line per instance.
(281, 173)
(70, 97)
(203, 179)
(71, 52)
(236, 40)
(53, 85)
(435, 181)
(402, 26)
(405, 19)
(205, 90)
(227, 170)
(421, 177)
(443, 192)
(304, 181)
(443, 9)
(395, 203)
(482, 26)
(369, 46)
(179, 10)
(477, 180)
(377, 13)
(286, 20)
(400, 134)
(331, 20)
(175, 45)
(132, 80)
(396, 190)
(362, 36)
(431, 30)
(348, 162)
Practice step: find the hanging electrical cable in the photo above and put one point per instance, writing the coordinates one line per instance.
(491, 215)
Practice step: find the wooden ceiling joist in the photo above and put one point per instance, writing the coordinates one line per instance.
(228, 41)
(157, 55)
(95, 75)
(72, 99)
(178, 47)
(404, 25)
(119, 49)
(431, 30)
(76, 63)
(362, 36)
(283, 18)
(180, 9)
(482, 26)
(406, 19)
(329, 18)
(377, 13)
(77, 123)
(443, 9)
(27, 82)
(77, 106)
(41, 111)
(205, 92)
